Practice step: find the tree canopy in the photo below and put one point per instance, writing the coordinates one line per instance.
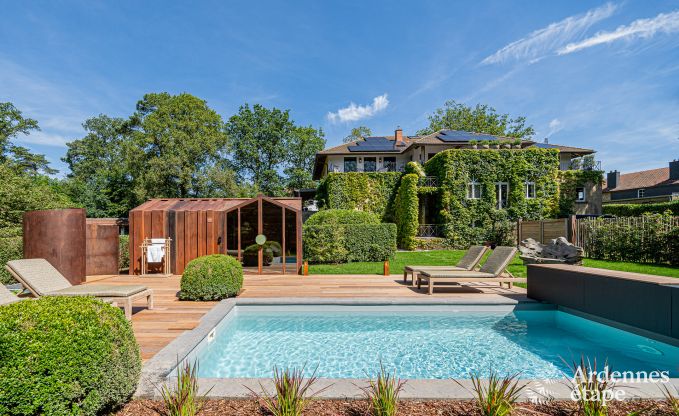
(357, 133)
(481, 118)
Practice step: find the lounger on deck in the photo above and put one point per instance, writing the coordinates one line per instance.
(491, 271)
(42, 279)
(7, 297)
(469, 261)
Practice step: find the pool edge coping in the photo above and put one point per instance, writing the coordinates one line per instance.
(156, 371)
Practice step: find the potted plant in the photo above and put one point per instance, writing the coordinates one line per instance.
(474, 144)
(507, 145)
(495, 145)
(516, 144)
(485, 144)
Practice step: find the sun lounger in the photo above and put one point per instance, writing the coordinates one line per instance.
(7, 297)
(491, 271)
(42, 279)
(469, 261)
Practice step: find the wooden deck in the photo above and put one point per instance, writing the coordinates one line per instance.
(156, 328)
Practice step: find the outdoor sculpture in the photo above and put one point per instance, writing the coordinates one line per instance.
(557, 251)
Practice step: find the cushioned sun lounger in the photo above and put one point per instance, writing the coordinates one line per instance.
(469, 261)
(491, 271)
(42, 279)
(7, 297)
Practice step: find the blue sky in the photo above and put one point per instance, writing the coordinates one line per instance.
(602, 75)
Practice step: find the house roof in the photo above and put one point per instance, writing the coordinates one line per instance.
(565, 149)
(209, 204)
(643, 179)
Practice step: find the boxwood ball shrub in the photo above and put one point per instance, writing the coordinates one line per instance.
(65, 355)
(212, 277)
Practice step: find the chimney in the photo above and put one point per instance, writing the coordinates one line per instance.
(612, 179)
(398, 136)
(546, 140)
(674, 169)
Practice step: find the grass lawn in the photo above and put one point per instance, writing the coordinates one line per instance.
(450, 257)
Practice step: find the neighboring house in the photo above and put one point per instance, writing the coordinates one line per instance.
(653, 185)
(391, 153)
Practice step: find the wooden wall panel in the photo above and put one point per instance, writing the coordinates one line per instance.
(210, 232)
(201, 222)
(179, 243)
(191, 235)
(58, 236)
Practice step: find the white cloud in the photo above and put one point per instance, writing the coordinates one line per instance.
(545, 41)
(555, 126)
(355, 112)
(640, 28)
(42, 138)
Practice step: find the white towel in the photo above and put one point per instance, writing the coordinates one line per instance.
(156, 251)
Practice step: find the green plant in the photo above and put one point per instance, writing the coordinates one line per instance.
(406, 211)
(65, 355)
(383, 392)
(671, 400)
(364, 191)
(352, 242)
(183, 398)
(414, 168)
(342, 216)
(11, 248)
(212, 277)
(292, 392)
(590, 390)
(569, 181)
(123, 252)
(270, 249)
(498, 395)
(635, 210)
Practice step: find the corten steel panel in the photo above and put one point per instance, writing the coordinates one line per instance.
(59, 237)
(102, 247)
(179, 242)
(560, 287)
(202, 225)
(640, 304)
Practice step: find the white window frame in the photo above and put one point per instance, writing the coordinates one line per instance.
(641, 193)
(474, 190)
(584, 194)
(528, 185)
(498, 193)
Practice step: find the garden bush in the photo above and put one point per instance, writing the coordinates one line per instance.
(212, 277)
(373, 192)
(407, 211)
(635, 210)
(11, 248)
(342, 216)
(65, 355)
(123, 252)
(353, 242)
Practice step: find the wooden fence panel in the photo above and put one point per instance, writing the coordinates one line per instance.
(542, 230)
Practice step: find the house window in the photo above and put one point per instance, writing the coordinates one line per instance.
(530, 190)
(350, 164)
(473, 190)
(390, 164)
(580, 194)
(501, 194)
(430, 155)
(641, 193)
(369, 164)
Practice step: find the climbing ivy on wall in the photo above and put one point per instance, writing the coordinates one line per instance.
(373, 192)
(571, 179)
(406, 211)
(474, 220)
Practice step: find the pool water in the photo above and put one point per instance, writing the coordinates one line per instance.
(420, 344)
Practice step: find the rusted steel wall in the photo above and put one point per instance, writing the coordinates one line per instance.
(102, 242)
(59, 237)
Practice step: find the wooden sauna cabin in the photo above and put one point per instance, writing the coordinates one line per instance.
(199, 227)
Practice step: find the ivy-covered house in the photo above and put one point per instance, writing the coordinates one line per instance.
(463, 186)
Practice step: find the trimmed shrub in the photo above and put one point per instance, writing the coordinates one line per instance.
(123, 252)
(407, 211)
(635, 210)
(11, 248)
(416, 168)
(364, 191)
(65, 355)
(351, 242)
(342, 216)
(212, 277)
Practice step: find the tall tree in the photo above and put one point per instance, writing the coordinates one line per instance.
(21, 159)
(258, 138)
(479, 119)
(176, 140)
(302, 148)
(357, 133)
(101, 178)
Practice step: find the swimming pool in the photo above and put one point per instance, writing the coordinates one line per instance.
(439, 342)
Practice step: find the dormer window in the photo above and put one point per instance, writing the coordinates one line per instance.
(473, 190)
(641, 193)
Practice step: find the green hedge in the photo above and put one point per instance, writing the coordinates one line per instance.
(635, 210)
(342, 216)
(65, 356)
(363, 191)
(123, 252)
(349, 243)
(11, 248)
(407, 211)
(473, 221)
(212, 277)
